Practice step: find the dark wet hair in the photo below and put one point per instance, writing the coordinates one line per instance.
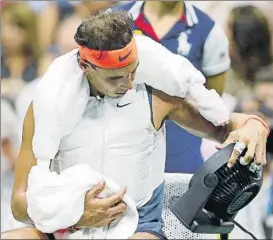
(107, 30)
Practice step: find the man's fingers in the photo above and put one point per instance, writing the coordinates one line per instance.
(218, 146)
(251, 149)
(119, 208)
(260, 156)
(97, 189)
(264, 141)
(233, 157)
(114, 199)
(108, 221)
(237, 151)
(259, 151)
(227, 142)
(233, 137)
(116, 216)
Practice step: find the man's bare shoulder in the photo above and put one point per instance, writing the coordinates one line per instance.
(163, 105)
(167, 101)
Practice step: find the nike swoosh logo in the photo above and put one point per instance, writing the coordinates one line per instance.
(124, 105)
(121, 59)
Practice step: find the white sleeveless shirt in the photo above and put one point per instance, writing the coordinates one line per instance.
(117, 142)
(61, 95)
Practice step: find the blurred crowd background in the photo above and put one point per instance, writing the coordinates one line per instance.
(35, 32)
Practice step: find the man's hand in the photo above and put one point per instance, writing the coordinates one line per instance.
(252, 136)
(101, 212)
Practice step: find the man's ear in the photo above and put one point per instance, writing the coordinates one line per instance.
(86, 67)
(83, 65)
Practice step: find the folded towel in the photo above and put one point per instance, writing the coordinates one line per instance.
(63, 92)
(57, 202)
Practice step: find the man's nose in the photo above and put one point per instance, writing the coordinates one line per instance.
(130, 82)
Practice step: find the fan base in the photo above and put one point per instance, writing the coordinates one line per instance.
(204, 223)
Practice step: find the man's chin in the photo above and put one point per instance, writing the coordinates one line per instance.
(114, 95)
(118, 95)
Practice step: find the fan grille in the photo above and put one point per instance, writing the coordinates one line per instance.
(235, 190)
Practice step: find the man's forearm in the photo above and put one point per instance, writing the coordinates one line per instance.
(19, 207)
(187, 116)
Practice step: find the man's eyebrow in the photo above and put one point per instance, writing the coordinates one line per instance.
(117, 77)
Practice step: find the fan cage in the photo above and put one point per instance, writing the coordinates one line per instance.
(234, 191)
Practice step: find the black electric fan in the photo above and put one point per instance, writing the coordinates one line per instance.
(216, 194)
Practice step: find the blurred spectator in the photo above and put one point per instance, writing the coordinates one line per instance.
(20, 48)
(249, 25)
(264, 92)
(48, 22)
(64, 41)
(220, 10)
(12, 87)
(55, 12)
(250, 49)
(262, 101)
(37, 6)
(9, 150)
(85, 8)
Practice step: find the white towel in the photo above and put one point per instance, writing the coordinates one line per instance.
(57, 202)
(62, 93)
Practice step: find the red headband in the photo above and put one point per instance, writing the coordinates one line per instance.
(110, 59)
